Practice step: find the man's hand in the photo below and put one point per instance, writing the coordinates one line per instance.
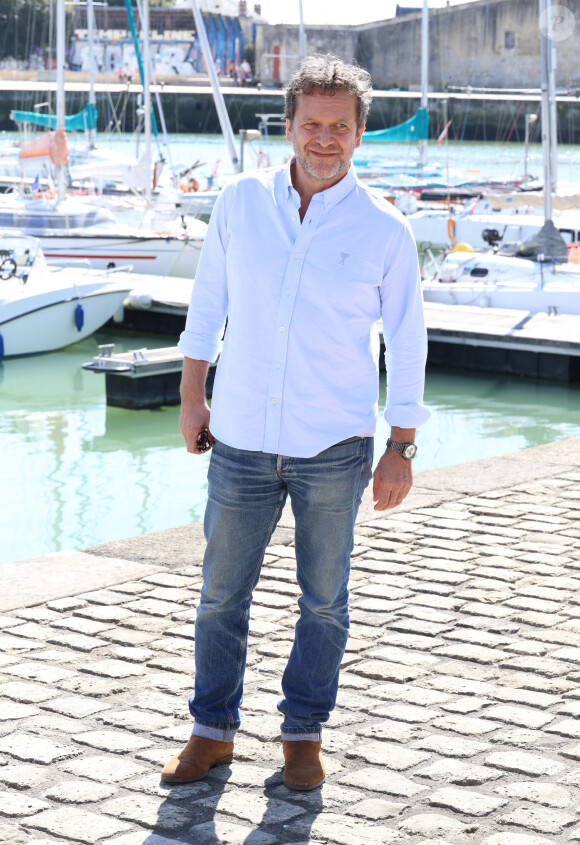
(193, 419)
(194, 416)
(392, 480)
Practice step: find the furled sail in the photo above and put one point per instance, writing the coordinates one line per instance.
(414, 129)
(83, 120)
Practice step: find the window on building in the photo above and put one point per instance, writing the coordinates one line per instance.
(509, 40)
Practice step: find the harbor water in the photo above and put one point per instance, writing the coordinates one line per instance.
(459, 161)
(75, 473)
(465, 161)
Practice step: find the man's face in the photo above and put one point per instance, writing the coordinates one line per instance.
(324, 135)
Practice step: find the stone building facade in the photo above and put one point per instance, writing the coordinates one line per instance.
(489, 43)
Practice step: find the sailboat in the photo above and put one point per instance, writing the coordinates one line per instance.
(539, 274)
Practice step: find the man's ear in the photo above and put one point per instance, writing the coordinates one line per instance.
(288, 130)
(359, 135)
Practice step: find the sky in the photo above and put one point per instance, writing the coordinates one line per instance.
(340, 11)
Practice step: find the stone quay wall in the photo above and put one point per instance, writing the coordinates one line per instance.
(491, 43)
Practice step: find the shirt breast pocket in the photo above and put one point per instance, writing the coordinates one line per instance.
(358, 271)
(355, 291)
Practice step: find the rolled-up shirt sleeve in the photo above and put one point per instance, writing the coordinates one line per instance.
(208, 306)
(404, 334)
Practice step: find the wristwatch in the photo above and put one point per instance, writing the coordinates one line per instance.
(405, 450)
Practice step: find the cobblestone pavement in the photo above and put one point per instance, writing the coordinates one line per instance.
(457, 720)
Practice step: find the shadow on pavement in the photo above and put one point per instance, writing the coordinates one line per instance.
(223, 809)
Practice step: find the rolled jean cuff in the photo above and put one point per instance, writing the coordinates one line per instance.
(212, 732)
(312, 736)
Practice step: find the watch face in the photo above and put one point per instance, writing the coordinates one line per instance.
(410, 451)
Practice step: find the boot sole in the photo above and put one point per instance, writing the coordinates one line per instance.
(296, 788)
(221, 761)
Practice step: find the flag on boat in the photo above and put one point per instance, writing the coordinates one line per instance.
(443, 135)
(36, 184)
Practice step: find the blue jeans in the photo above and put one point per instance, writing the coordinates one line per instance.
(246, 495)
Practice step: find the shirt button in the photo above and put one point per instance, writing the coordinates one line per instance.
(288, 291)
(274, 401)
(281, 328)
(277, 365)
(294, 220)
(296, 255)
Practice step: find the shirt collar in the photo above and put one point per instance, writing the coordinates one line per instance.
(331, 196)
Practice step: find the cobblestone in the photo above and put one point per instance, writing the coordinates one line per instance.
(149, 811)
(20, 805)
(383, 781)
(395, 757)
(437, 825)
(78, 825)
(547, 794)
(525, 764)
(538, 819)
(119, 742)
(79, 792)
(467, 802)
(35, 749)
(463, 774)
(104, 768)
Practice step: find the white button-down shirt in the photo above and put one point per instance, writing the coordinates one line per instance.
(298, 371)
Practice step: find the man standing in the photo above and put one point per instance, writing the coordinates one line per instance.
(302, 260)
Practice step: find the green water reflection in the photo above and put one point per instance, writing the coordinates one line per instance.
(74, 473)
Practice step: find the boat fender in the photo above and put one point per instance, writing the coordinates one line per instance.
(79, 316)
(139, 301)
(451, 229)
(463, 247)
(1, 347)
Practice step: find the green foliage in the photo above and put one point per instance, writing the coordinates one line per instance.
(249, 53)
(24, 24)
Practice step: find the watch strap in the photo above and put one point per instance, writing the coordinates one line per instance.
(401, 447)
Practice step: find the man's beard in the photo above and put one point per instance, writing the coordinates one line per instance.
(322, 171)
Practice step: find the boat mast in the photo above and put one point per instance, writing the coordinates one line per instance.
(548, 141)
(147, 93)
(553, 104)
(301, 33)
(424, 72)
(218, 97)
(92, 132)
(60, 93)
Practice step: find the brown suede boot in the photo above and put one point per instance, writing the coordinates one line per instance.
(304, 769)
(196, 759)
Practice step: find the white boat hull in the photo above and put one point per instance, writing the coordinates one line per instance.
(157, 255)
(51, 325)
(496, 281)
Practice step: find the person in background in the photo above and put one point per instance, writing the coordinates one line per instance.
(245, 71)
(303, 260)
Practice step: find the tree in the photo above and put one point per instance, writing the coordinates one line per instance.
(24, 25)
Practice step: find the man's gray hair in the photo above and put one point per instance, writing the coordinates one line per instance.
(327, 74)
